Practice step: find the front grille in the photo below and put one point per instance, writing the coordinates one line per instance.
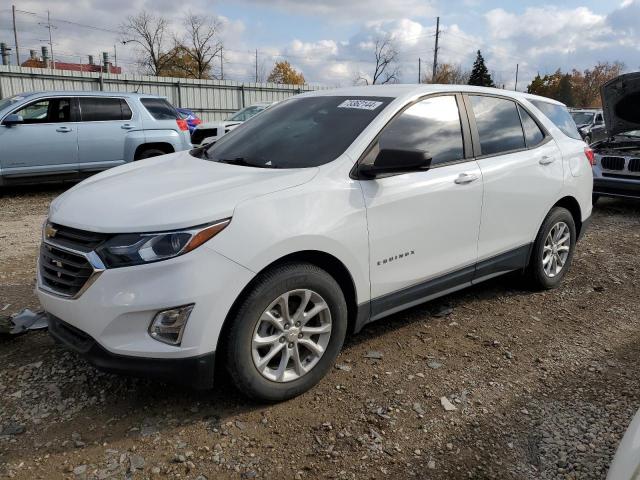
(200, 134)
(62, 271)
(634, 165)
(77, 239)
(612, 163)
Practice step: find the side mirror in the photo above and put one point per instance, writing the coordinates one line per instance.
(395, 160)
(12, 119)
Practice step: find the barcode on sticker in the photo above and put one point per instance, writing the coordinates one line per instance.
(360, 104)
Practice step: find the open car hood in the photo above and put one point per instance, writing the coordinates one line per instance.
(621, 103)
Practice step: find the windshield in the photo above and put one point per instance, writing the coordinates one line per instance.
(582, 118)
(246, 113)
(298, 133)
(10, 101)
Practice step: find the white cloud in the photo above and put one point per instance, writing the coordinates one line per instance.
(545, 39)
(353, 11)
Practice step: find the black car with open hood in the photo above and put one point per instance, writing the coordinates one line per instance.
(616, 172)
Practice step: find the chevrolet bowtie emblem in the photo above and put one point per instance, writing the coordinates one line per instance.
(49, 231)
(57, 263)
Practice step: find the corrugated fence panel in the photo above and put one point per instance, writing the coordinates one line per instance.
(210, 99)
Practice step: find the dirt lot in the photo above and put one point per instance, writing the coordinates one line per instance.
(544, 385)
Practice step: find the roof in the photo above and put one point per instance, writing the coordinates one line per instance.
(76, 67)
(413, 90)
(81, 93)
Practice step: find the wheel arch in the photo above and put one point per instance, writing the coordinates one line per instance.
(327, 262)
(571, 204)
(166, 147)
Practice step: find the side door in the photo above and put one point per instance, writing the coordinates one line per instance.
(106, 122)
(423, 226)
(46, 142)
(523, 173)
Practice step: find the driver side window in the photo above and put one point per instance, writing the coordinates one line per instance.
(49, 110)
(432, 126)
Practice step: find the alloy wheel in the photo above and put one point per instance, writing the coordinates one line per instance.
(556, 249)
(291, 335)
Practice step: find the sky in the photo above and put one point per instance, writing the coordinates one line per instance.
(331, 41)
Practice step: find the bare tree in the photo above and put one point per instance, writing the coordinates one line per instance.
(150, 33)
(448, 73)
(386, 69)
(200, 45)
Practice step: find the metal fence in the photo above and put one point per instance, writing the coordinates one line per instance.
(209, 99)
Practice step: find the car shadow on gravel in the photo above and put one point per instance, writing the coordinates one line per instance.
(508, 285)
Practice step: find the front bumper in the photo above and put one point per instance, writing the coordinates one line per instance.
(196, 372)
(616, 187)
(117, 309)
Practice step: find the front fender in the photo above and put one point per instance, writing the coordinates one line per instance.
(320, 215)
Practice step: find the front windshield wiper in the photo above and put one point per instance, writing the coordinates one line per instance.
(242, 162)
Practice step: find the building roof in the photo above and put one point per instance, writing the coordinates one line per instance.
(76, 67)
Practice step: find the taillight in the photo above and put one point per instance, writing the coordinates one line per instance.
(196, 121)
(590, 155)
(182, 124)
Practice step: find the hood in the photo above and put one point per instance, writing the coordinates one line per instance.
(168, 192)
(621, 103)
(221, 124)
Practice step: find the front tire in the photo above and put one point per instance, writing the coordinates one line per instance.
(553, 249)
(287, 332)
(150, 152)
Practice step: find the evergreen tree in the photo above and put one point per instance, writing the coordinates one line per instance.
(479, 74)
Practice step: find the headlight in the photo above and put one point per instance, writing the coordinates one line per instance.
(138, 248)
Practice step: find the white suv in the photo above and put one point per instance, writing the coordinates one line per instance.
(326, 212)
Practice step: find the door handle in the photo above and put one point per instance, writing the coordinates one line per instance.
(546, 160)
(466, 178)
(63, 129)
(127, 126)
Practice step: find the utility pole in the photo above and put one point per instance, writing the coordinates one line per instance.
(419, 70)
(15, 34)
(256, 65)
(221, 65)
(435, 51)
(49, 26)
(516, 85)
(115, 55)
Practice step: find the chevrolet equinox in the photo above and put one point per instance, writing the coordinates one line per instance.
(326, 212)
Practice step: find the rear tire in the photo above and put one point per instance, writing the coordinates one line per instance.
(271, 353)
(150, 152)
(553, 249)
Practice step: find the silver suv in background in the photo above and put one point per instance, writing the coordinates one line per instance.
(54, 136)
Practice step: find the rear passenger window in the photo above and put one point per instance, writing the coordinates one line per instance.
(432, 125)
(560, 116)
(97, 109)
(160, 109)
(532, 133)
(498, 124)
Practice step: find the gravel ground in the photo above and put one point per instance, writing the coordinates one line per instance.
(492, 382)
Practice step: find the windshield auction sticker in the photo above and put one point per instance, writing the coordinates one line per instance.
(360, 104)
